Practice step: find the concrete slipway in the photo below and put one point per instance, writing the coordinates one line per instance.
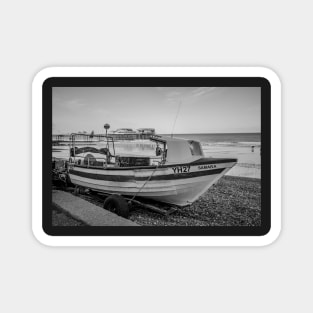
(87, 212)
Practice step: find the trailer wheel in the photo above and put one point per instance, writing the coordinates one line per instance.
(116, 204)
(79, 190)
(76, 191)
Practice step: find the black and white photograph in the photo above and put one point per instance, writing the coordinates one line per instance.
(153, 156)
(156, 156)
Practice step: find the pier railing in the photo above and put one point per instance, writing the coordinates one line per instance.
(64, 138)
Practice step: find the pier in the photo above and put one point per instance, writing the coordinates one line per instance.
(140, 134)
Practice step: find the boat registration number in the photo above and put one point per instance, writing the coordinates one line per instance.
(204, 167)
(181, 169)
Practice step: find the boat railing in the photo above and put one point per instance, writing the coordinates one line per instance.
(86, 161)
(108, 140)
(106, 158)
(114, 161)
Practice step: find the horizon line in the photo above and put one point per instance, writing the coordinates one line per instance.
(209, 133)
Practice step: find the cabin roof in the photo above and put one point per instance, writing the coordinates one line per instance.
(179, 149)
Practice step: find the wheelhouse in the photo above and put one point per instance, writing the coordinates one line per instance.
(178, 150)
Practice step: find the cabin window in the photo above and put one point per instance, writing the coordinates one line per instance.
(195, 148)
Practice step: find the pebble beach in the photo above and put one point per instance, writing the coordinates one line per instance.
(232, 201)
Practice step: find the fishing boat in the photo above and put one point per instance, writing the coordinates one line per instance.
(177, 174)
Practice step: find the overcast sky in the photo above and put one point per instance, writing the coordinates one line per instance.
(200, 109)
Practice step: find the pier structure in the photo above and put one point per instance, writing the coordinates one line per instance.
(141, 133)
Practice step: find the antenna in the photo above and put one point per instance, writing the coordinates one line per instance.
(176, 118)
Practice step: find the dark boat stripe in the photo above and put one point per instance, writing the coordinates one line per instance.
(197, 162)
(132, 178)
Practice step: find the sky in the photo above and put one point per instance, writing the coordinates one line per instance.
(180, 110)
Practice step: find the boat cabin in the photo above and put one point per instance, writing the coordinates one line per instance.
(178, 150)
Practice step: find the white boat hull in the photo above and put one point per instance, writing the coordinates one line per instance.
(178, 184)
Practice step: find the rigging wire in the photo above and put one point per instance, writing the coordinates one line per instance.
(176, 118)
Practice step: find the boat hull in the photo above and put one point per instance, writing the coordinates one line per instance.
(178, 184)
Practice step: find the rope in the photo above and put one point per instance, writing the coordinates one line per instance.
(144, 184)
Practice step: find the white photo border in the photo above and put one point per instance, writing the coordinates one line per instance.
(263, 72)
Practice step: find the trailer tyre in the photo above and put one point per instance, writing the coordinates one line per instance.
(116, 204)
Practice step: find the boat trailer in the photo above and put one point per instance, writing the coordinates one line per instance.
(120, 204)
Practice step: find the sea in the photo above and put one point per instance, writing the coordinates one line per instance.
(246, 147)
